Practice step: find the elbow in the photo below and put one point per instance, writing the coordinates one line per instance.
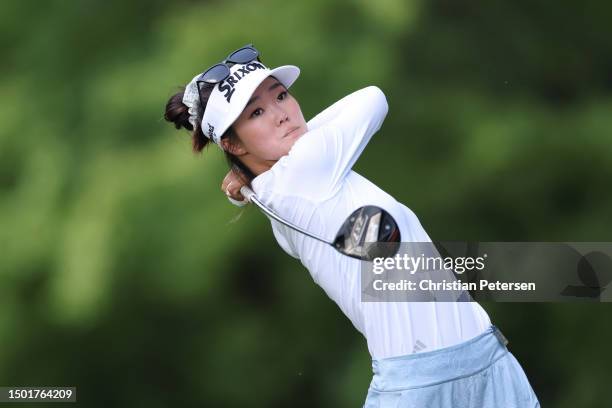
(378, 99)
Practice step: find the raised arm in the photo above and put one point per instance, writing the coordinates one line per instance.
(321, 159)
(342, 107)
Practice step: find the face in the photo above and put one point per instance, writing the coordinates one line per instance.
(269, 125)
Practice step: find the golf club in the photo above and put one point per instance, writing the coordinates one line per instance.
(369, 232)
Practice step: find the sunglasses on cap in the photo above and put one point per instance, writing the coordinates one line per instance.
(219, 72)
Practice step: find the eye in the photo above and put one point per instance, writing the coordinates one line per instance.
(256, 112)
(282, 95)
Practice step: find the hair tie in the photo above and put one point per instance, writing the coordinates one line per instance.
(191, 99)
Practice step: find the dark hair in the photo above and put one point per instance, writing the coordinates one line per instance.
(177, 113)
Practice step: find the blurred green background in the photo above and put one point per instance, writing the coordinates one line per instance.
(121, 272)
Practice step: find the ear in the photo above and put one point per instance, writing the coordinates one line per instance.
(237, 149)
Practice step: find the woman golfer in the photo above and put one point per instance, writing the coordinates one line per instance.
(424, 354)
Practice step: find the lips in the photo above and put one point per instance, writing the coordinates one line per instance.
(291, 131)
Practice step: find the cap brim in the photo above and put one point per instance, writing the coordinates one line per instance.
(286, 74)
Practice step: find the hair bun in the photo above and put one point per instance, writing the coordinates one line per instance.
(177, 112)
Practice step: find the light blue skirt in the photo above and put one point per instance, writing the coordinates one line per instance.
(479, 373)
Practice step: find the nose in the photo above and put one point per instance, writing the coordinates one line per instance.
(280, 115)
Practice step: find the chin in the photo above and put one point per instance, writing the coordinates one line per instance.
(296, 138)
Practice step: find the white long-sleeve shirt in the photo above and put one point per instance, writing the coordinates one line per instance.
(314, 187)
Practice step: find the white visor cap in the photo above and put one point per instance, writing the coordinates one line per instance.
(229, 97)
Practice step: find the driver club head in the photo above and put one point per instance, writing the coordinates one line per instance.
(369, 232)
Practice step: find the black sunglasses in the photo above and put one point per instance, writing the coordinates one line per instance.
(219, 72)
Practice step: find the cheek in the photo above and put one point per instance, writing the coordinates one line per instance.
(258, 140)
(296, 111)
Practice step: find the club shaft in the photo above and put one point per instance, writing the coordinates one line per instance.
(251, 197)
